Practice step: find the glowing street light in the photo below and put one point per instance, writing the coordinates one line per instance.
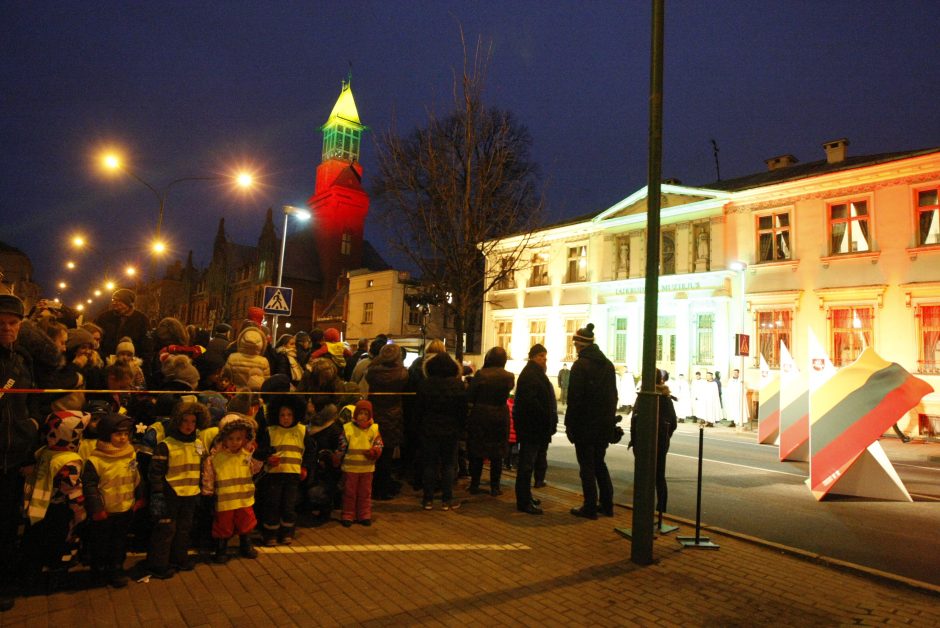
(80, 307)
(302, 215)
(62, 285)
(158, 247)
(70, 265)
(109, 286)
(78, 241)
(89, 301)
(97, 293)
(130, 271)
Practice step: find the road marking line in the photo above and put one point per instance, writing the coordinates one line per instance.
(914, 466)
(734, 464)
(398, 547)
(927, 497)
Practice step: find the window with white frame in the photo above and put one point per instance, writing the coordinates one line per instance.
(773, 237)
(504, 335)
(507, 276)
(367, 312)
(928, 216)
(773, 326)
(705, 338)
(852, 331)
(928, 336)
(849, 227)
(539, 275)
(577, 264)
(620, 340)
(623, 257)
(537, 332)
(572, 325)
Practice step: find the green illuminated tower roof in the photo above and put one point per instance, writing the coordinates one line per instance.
(343, 130)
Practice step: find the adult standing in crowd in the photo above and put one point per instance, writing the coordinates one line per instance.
(442, 407)
(387, 378)
(589, 422)
(535, 415)
(18, 438)
(564, 376)
(123, 320)
(488, 423)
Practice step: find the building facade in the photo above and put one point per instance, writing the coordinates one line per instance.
(843, 248)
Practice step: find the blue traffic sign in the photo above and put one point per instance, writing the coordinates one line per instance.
(277, 300)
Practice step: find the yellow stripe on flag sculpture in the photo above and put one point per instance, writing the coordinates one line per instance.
(847, 416)
(768, 410)
(794, 409)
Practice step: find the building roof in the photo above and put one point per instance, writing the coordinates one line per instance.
(809, 169)
(345, 108)
(238, 255)
(372, 259)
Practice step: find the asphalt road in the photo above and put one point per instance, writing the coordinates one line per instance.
(746, 489)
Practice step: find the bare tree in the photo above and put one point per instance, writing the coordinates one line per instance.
(450, 189)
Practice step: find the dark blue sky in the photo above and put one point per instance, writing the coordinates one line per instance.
(197, 88)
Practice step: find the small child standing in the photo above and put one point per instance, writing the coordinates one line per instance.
(280, 489)
(359, 447)
(227, 474)
(112, 490)
(174, 489)
(53, 498)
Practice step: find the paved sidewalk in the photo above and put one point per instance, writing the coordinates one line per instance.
(486, 565)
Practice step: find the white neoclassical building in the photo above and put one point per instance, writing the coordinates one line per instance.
(847, 248)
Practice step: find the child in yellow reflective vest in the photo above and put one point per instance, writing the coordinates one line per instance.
(359, 447)
(227, 474)
(279, 490)
(53, 498)
(112, 490)
(174, 489)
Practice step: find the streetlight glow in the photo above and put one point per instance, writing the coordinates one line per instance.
(62, 285)
(111, 161)
(159, 247)
(245, 180)
(97, 293)
(131, 271)
(89, 301)
(78, 241)
(70, 265)
(80, 307)
(109, 285)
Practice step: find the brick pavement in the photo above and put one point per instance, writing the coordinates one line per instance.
(486, 564)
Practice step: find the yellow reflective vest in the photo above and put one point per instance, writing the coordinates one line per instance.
(49, 463)
(118, 476)
(183, 465)
(288, 443)
(359, 443)
(233, 486)
(207, 436)
(86, 446)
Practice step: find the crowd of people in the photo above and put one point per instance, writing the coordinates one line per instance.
(173, 438)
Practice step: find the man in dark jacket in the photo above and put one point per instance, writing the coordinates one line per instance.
(589, 422)
(535, 416)
(18, 437)
(123, 320)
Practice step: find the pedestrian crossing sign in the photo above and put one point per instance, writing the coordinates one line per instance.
(277, 300)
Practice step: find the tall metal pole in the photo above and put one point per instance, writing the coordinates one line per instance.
(280, 275)
(647, 411)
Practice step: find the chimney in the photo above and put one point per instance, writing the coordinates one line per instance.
(835, 150)
(776, 163)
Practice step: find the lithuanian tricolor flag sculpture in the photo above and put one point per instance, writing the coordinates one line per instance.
(847, 415)
(768, 410)
(794, 409)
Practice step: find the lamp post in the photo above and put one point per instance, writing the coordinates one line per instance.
(302, 215)
(741, 267)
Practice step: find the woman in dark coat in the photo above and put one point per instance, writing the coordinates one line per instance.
(442, 407)
(488, 424)
(387, 378)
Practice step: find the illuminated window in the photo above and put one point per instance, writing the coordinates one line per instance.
(507, 278)
(773, 326)
(577, 264)
(539, 275)
(667, 252)
(537, 333)
(623, 257)
(341, 142)
(572, 325)
(773, 237)
(705, 338)
(345, 247)
(929, 338)
(928, 217)
(620, 340)
(415, 315)
(849, 227)
(852, 331)
(367, 313)
(504, 335)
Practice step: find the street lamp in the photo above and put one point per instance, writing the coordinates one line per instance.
(740, 268)
(302, 215)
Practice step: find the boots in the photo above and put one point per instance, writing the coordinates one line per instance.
(245, 548)
(285, 535)
(220, 556)
(474, 488)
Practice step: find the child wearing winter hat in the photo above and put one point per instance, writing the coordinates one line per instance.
(227, 474)
(53, 497)
(174, 489)
(359, 448)
(283, 461)
(333, 348)
(113, 492)
(125, 353)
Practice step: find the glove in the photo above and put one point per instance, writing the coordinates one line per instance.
(303, 473)
(157, 506)
(374, 453)
(337, 459)
(274, 460)
(140, 503)
(101, 515)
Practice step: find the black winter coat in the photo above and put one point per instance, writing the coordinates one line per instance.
(535, 411)
(488, 424)
(387, 408)
(592, 398)
(442, 406)
(19, 434)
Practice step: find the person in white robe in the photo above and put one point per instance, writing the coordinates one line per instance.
(733, 391)
(698, 396)
(683, 395)
(711, 402)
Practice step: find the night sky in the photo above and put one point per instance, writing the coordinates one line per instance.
(201, 88)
